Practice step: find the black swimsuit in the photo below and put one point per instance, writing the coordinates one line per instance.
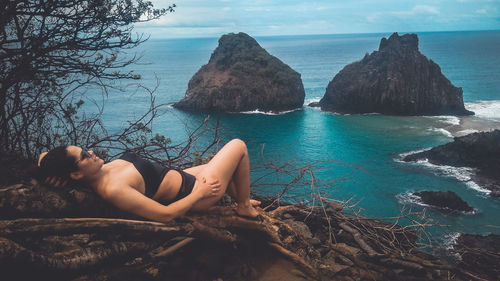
(153, 174)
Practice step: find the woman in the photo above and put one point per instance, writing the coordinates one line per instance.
(138, 186)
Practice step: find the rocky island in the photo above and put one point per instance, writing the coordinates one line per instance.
(396, 80)
(444, 200)
(242, 76)
(478, 150)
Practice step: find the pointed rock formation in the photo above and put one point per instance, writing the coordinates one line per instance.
(398, 80)
(242, 76)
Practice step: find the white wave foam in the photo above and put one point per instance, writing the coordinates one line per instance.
(410, 198)
(463, 174)
(466, 132)
(268, 112)
(440, 131)
(475, 186)
(450, 240)
(460, 173)
(347, 114)
(308, 101)
(401, 156)
(330, 112)
(448, 120)
(485, 109)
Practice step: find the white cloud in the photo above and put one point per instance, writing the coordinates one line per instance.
(476, 1)
(307, 27)
(266, 17)
(467, 1)
(373, 17)
(425, 9)
(190, 16)
(487, 11)
(186, 32)
(417, 10)
(257, 9)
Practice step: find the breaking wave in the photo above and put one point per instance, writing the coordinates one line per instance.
(463, 174)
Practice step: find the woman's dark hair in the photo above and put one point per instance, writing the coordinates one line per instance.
(58, 163)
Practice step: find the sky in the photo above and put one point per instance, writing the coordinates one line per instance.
(213, 18)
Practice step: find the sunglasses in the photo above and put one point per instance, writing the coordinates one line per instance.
(85, 154)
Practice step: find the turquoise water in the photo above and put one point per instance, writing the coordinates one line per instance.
(355, 156)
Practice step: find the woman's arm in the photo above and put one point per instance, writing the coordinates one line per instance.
(131, 200)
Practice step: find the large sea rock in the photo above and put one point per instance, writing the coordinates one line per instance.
(242, 76)
(444, 200)
(478, 150)
(397, 80)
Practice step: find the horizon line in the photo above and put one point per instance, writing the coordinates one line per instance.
(321, 34)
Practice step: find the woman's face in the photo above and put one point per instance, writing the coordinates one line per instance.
(88, 163)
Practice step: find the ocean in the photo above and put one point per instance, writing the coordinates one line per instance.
(354, 158)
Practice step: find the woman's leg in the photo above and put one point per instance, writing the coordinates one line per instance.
(231, 187)
(195, 170)
(231, 190)
(230, 164)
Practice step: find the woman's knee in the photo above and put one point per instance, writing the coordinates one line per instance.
(241, 145)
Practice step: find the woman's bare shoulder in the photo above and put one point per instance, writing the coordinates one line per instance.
(121, 176)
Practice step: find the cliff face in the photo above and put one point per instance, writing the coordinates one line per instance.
(242, 76)
(478, 150)
(397, 79)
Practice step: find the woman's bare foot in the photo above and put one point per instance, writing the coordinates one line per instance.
(254, 203)
(247, 210)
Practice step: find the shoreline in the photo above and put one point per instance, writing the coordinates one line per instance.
(468, 158)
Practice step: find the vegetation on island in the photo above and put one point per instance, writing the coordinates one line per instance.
(243, 76)
(396, 80)
(243, 57)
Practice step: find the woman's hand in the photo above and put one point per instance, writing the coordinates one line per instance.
(54, 181)
(41, 157)
(207, 188)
